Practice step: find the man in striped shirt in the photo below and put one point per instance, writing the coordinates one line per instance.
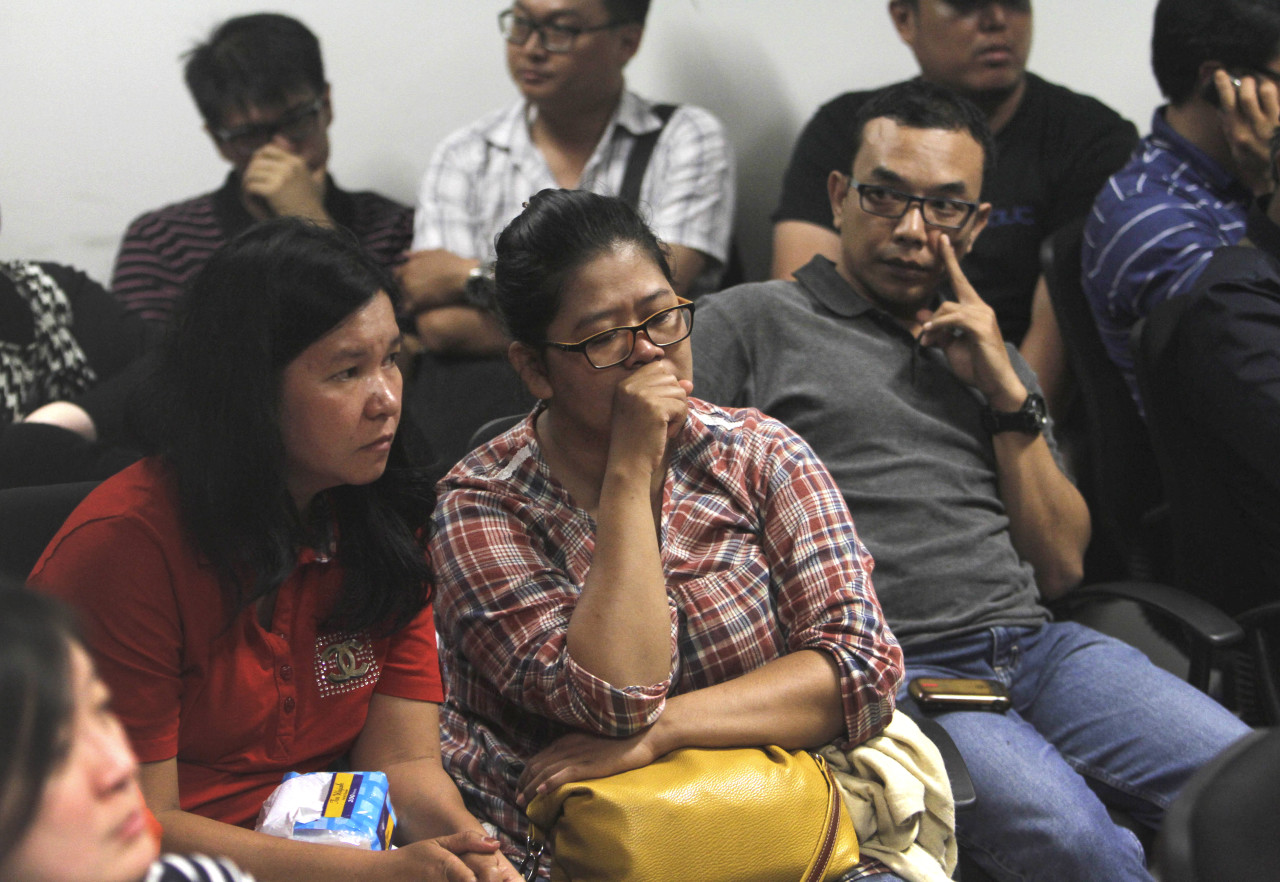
(259, 85)
(1187, 188)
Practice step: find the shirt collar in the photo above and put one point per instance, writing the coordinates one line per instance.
(511, 129)
(1208, 168)
(821, 279)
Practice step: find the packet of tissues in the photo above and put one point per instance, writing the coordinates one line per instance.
(337, 808)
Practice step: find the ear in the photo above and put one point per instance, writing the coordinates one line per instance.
(531, 368)
(837, 190)
(980, 218)
(629, 37)
(1205, 88)
(327, 112)
(903, 15)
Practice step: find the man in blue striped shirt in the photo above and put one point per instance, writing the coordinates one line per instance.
(1188, 186)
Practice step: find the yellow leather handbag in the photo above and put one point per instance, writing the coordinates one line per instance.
(738, 815)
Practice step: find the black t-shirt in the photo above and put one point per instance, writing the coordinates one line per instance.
(1053, 157)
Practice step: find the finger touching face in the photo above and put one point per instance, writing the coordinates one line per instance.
(895, 262)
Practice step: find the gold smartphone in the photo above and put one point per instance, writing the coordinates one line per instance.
(941, 693)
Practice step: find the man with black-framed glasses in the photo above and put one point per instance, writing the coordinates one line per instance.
(259, 84)
(1056, 147)
(575, 125)
(893, 368)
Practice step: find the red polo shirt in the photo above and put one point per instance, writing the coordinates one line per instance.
(238, 706)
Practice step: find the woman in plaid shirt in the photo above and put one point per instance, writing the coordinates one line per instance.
(631, 570)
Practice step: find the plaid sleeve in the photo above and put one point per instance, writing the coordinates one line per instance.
(825, 599)
(447, 208)
(505, 596)
(688, 194)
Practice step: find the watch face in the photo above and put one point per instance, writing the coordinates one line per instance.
(1038, 411)
(1030, 418)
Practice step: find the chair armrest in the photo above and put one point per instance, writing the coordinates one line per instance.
(1206, 623)
(957, 772)
(1260, 614)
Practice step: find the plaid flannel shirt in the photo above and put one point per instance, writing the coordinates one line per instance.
(761, 559)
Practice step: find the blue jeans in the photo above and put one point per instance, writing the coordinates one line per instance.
(1091, 719)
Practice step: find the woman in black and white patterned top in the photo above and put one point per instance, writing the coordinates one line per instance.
(70, 806)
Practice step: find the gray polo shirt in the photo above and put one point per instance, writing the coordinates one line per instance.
(901, 435)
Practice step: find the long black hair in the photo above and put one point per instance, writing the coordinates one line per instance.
(255, 306)
(36, 635)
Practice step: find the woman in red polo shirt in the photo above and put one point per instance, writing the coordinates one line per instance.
(256, 596)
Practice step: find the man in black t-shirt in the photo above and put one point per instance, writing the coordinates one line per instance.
(1055, 150)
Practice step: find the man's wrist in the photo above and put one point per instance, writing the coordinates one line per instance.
(479, 288)
(1029, 417)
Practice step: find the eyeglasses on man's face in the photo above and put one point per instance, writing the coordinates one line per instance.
(297, 124)
(664, 328)
(516, 28)
(949, 214)
(968, 7)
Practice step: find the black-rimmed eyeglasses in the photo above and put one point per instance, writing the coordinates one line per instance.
(554, 37)
(297, 124)
(664, 328)
(950, 214)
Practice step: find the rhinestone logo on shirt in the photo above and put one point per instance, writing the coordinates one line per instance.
(344, 662)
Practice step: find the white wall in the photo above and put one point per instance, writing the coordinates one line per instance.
(96, 125)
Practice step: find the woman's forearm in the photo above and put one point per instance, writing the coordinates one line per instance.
(793, 701)
(620, 629)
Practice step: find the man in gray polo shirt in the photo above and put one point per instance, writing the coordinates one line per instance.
(893, 368)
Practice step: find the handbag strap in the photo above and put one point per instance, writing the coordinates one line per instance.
(641, 150)
(826, 846)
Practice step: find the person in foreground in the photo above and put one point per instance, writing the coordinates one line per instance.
(258, 595)
(629, 570)
(892, 366)
(66, 773)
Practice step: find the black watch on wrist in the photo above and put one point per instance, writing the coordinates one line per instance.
(479, 288)
(1030, 418)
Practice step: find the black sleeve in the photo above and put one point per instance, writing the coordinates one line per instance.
(825, 145)
(1229, 363)
(1101, 142)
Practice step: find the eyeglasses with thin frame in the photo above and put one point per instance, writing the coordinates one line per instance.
(297, 124)
(937, 211)
(553, 37)
(664, 328)
(968, 7)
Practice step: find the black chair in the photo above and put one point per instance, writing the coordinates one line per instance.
(1226, 822)
(452, 397)
(1120, 479)
(493, 428)
(1123, 487)
(29, 518)
(1216, 546)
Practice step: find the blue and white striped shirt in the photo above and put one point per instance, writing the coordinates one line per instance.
(1152, 230)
